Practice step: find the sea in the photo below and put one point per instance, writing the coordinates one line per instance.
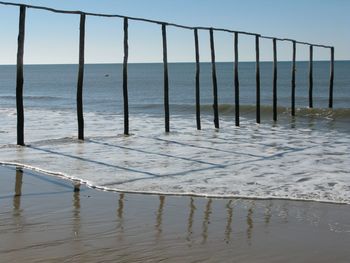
(306, 157)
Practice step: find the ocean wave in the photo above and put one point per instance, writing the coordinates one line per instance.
(227, 109)
(251, 161)
(74, 179)
(34, 98)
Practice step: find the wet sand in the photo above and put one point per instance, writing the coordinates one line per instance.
(42, 219)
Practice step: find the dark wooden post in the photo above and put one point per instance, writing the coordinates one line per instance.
(257, 52)
(274, 79)
(236, 80)
(198, 107)
(166, 79)
(331, 80)
(311, 80)
(293, 78)
(125, 78)
(19, 81)
(81, 79)
(215, 85)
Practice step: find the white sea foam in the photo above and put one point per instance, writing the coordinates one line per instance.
(255, 161)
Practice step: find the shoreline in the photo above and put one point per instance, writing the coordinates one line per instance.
(44, 219)
(106, 189)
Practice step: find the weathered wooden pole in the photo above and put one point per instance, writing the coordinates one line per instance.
(215, 84)
(81, 79)
(331, 80)
(311, 79)
(257, 53)
(125, 78)
(236, 80)
(274, 79)
(166, 79)
(19, 81)
(198, 107)
(293, 78)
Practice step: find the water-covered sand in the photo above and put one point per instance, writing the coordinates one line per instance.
(43, 220)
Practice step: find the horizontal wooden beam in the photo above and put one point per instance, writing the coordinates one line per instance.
(76, 12)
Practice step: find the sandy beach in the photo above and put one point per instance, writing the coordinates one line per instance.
(42, 219)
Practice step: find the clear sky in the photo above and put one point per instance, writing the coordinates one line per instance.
(53, 38)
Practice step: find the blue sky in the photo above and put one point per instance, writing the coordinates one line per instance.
(53, 38)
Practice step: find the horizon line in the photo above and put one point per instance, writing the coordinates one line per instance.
(177, 62)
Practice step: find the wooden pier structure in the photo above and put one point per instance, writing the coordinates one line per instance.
(163, 26)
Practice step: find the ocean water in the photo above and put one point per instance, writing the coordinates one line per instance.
(303, 158)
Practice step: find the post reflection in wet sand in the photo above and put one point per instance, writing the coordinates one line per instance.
(228, 229)
(268, 213)
(250, 222)
(285, 212)
(120, 206)
(120, 217)
(159, 217)
(61, 225)
(190, 220)
(76, 212)
(206, 221)
(120, 210)
(18, 190)
(19, 220)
